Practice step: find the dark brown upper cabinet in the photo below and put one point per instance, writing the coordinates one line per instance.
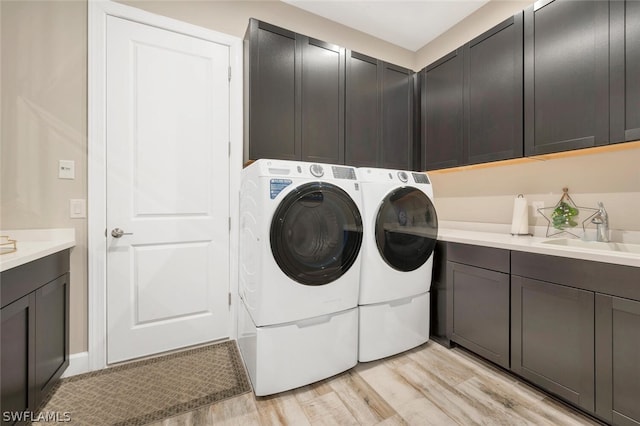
(566, 75)
(493, 80)
(472, 100)
(379, 113)
(363, 111)
(442, 108)
(625, 71)
(270, 92)
(321, 93)
(294, 107)
(397, 117)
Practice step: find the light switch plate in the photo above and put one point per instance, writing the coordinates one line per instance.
(66, 169)
(77, 208)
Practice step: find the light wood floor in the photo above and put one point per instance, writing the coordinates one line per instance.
(429, 385)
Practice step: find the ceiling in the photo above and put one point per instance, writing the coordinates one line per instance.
(408, 24)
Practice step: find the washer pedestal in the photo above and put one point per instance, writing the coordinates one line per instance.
(389, 328)
(286, 356)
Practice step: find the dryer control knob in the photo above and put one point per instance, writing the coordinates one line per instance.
(403, 177)
(316, 170)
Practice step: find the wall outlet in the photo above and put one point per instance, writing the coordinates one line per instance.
(537, 205)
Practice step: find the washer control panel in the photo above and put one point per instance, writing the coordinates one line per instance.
(317, 170)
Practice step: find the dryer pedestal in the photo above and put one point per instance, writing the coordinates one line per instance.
(286, 356)
(389, 328)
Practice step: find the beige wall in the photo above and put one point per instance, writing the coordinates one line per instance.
(473, 25)
(487, 194)
(232, 17)
(44, 97)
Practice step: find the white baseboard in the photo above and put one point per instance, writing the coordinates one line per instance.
(78, 364)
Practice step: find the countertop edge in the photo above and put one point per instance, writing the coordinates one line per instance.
(533, 244)
(41, 244)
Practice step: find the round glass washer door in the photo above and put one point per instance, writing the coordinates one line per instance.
(316, 233)
(406, 229)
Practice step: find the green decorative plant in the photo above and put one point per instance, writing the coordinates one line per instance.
(564, 216)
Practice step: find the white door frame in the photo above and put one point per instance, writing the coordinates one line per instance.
(97, 256)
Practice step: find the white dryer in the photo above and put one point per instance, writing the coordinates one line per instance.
(401, 228)
(301, 234)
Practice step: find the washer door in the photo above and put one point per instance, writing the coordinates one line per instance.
(316, 233)
(406, 229)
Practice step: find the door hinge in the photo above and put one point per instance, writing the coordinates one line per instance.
(229, 149)
(229, 299)
(229, 73)
(229, 223)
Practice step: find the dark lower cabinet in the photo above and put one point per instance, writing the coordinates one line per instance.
(625, 69)
(438, 296)
(569, 326)
(35, 331)
(480, 311)
(477, 300)
(18, 356)
(51, 334)
(566, 75)
(617, 359)
(552, 338)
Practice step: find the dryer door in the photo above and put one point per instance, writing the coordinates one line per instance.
(406, 229)
(316, 233)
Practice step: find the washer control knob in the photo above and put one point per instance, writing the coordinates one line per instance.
(316, 170)
(403, 177)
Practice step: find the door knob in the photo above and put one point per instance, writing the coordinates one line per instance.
(117, 233)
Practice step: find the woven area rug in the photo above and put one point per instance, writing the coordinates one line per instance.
(145, 391)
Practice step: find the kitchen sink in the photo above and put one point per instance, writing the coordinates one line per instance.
(594, 245)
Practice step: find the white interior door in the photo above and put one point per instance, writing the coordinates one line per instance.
(167, 136)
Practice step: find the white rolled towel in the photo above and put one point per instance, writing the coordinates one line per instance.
(520, 220)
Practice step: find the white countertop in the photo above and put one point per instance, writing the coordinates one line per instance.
(33, 244)
(498, 236)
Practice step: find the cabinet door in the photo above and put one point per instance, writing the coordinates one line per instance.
(270, 109)
(18, 356)
(493, 94)
(442, 113)
(566, 54)
(362, 144)
(479, 306)
(438, 298)
(321, 89)
(397, 117)
(552, 338)
(617, 366)
(52, 334)
(625, 69)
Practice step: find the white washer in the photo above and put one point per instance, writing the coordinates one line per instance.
(301, 235)
(401, 228)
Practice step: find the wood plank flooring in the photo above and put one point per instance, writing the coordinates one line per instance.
(429, 385)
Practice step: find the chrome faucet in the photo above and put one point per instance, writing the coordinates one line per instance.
(601, 220)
